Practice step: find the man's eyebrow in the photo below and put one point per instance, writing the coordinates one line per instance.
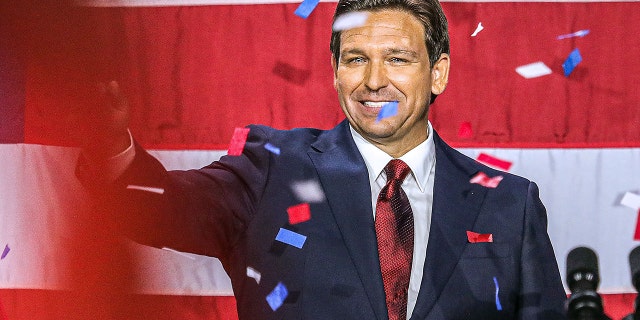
(411, 53)
(355, 51)
(391, 51)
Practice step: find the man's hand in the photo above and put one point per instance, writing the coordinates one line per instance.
(106, 132)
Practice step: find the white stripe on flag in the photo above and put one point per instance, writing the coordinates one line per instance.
(581, 189)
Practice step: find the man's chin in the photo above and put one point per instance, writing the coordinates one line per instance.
(378, 133)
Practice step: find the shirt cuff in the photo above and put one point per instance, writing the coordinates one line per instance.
(118, 164)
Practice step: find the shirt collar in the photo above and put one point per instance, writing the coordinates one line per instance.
(419, 159)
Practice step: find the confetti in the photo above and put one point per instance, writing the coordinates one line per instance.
(498, 305)
(276, 297)
(350, 20)
(143, 188)
(579, 33)
(272, 148)
(305, 8)
(299, 213)
(5, 252)
(308, 191)
(238, 140)
(636, 235)
(631, 200)
(474, 237)
(533, 70)
(483, 180)
(291, 238)
(182, 254)
(494, 162)
(572, 61)
(253, 273)
(389, 109)
(478, 29)
(291, 73)
(465, 130)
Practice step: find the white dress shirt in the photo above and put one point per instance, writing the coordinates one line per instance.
(419, 189)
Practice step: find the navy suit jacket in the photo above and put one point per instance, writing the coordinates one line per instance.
(234, 208)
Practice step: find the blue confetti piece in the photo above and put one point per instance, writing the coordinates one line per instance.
(291, 238)
(5, 252)
(276, 297)
(571, 62)
(306, 7)
(388, 110)
(272, 148)
(498, 305)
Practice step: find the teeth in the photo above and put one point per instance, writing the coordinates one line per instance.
(375, 104)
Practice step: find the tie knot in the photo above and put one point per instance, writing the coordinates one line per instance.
(396, 170)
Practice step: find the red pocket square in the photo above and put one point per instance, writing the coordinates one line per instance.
(474, 237)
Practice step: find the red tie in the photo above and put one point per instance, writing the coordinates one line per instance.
(394, 230)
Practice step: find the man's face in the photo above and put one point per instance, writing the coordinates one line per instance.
(382, 61)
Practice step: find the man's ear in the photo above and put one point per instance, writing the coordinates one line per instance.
(334, 65)
(440, 74)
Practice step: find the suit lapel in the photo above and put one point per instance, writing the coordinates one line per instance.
(456, 204)
(345, 181)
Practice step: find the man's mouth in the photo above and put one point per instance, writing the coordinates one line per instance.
(375, 104)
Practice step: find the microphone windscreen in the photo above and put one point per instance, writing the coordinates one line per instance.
(634, 263)
(582, 259)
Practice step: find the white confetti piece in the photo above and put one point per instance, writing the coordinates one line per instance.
(350, 20)
(631, 200)
(308, 191)
(148, 189)
(579, 33)
(533, 70)
(253, 273)
(478, 29)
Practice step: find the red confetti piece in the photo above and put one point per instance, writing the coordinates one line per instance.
(494, 162)
(636, 236)
(474, 237)
(299, 213)
(237, 141)
(465, 130)
(484, 180)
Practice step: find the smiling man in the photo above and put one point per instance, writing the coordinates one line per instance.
(392, 238)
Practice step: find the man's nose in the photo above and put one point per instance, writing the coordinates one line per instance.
(376, 76)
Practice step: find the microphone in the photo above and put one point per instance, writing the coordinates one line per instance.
(634, 263)
(583, 279)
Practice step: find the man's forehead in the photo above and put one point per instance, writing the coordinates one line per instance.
(384, 28)
(391, 23)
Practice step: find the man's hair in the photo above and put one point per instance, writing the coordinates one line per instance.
(429, 12)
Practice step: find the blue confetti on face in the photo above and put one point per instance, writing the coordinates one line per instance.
(572, 61)
(291, 238)
(305, 8)
(388, 110)
(276, 297)
(5, 252)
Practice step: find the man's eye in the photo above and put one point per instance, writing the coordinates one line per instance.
(356, 60)
(396, 60)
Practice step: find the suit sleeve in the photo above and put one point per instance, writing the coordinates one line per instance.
(203, 211)
(542, 295)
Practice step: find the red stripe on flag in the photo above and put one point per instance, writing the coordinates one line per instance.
(190, 84)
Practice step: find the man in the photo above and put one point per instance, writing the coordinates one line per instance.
(393, 237)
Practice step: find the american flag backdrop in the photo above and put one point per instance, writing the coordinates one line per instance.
(194, 70)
